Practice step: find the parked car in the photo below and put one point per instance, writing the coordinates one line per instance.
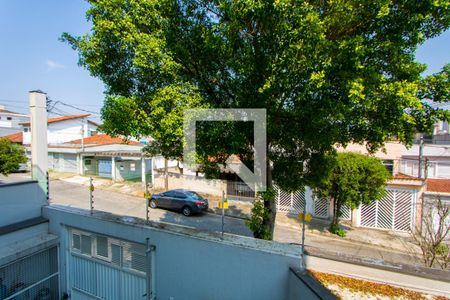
(188, 202)
(22, 168)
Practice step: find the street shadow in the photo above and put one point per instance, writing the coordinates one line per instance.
(231, 211)
(320, 225)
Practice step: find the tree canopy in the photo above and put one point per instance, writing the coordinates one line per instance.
(327, 72)
(11, 155)
(354, 179)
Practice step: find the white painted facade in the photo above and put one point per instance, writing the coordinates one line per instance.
(437, 158)
(64, 131)
(10, 121)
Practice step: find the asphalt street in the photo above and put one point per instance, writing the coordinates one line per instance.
(75, 195)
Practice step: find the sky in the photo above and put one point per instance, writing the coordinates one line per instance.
(32, 57)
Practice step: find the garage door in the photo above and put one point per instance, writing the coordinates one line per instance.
(394, 211)
(105, 168)
(69, 163)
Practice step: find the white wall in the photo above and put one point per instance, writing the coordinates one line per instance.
(14, 122)
(20, 201)
(64, 131)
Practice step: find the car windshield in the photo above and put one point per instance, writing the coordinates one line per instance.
(195, 195)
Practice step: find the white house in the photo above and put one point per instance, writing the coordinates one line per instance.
(64, 129)
(436, 161)
(10, 121)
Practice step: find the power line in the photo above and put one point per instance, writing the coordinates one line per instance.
(80, 109)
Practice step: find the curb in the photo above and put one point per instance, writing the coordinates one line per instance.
(351, 240)
(418, 271)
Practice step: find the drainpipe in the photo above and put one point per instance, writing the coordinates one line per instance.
(39, 150)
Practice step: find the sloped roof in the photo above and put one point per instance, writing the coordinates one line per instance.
(438, 185)
(102, 139)
(15, 137)
(404, 176)
(5, 111)
(63, 118)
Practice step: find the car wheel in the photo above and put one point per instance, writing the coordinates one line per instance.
(187, 211)
(153, 204)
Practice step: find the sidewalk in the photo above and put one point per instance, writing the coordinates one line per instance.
(361, 244)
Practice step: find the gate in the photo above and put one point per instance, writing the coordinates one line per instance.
(240, 191)
(321, 207)
(394, 211)
(105, 168)
(293, 202)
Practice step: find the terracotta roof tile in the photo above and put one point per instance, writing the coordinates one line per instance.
(103, 139)
(15, 137)
(404, 176)
(62, 118)
(438, 185)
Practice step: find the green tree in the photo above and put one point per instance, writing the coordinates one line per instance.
(354, 179)
(11, 155)
(326, 71)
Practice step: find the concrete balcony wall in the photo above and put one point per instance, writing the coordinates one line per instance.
(189, 264)
(20, 201)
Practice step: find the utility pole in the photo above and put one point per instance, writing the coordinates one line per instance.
(166, 174)
(91, 196)
(147, 203)
(303, 236)
(420, 156)
(223, 212)
(82, 135)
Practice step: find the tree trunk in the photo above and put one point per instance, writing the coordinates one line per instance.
(166, 174)
(270, 205)
(337, 211)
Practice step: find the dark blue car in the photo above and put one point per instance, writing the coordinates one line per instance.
(188, 202)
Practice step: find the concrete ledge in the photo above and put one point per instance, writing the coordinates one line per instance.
(230, 239)
(22, 225)
(316, 290)
(4, 184)
(434, 274)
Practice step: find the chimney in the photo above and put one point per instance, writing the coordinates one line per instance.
(39, 153)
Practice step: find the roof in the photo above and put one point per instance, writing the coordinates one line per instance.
(438, 185)
(5, 111)
(15, 137)
(404, 176)
(102, 139)
(63, 118)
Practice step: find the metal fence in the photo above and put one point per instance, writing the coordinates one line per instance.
(240, 191)
(33, 277)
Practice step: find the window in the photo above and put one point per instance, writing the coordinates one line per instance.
(389, 164)
(169, 194)
(132, 167)
(179, 195)
(116, 254)
(25, 129)
(122, 254)
(86, 246)
(8, 118)
(76, 241)
(87, 162)
(102, 246)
